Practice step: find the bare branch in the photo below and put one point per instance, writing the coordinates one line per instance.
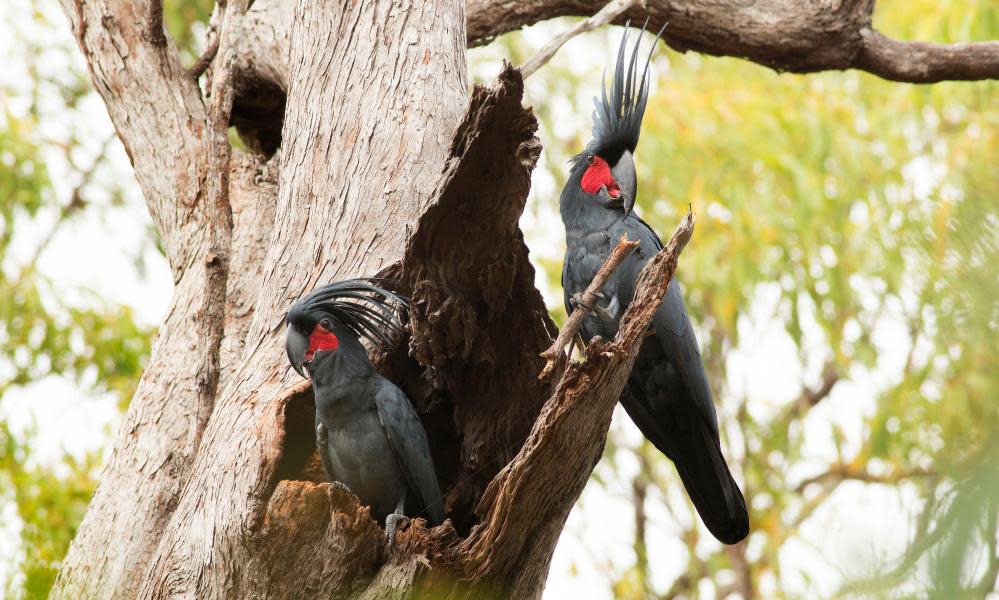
(554, 355)
(924, 62)
(201, 65)
(796, 37)
(603, 17)
(843, 472)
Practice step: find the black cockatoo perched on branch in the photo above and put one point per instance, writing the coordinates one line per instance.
(369, 436)
(667, 395)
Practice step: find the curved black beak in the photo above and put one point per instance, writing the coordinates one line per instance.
(296, 345)
(627, 180)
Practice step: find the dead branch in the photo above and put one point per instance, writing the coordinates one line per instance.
(565, 443)
(553, 355)
(604, 16)
(924, 62)
(201, 65)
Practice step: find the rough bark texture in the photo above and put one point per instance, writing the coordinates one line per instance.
(161, 120)
(468, 273)
(379, 165)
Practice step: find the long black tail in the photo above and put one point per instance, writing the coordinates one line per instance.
(694, 448)
(709, 484)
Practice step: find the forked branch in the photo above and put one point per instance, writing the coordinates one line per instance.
(604, 16)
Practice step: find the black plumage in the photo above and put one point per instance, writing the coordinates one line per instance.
(368, 433)
(667, 394)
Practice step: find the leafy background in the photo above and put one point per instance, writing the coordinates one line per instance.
(842, 276)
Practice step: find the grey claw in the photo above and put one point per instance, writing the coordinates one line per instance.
(577, 301)
(391, 523)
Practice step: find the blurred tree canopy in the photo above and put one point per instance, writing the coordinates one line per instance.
(848, 242)
(48, 330)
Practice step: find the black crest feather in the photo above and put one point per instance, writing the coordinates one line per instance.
(365, 306)
(617, 118)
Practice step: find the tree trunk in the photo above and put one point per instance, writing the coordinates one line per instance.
(371, 159)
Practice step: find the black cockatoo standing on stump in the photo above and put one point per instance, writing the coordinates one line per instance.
(368, 433)
(667, 395)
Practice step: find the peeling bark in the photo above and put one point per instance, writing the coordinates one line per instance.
(475, 311)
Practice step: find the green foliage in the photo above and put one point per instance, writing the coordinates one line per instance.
(182, 19)
(98, 346)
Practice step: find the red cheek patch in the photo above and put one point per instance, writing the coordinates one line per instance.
(321, 340)
(598, 175)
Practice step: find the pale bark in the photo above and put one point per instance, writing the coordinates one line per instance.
(161, 120)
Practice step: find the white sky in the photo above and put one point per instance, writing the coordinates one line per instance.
(860, 524)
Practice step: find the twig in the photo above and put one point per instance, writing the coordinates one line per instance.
(810, 397)
(201, 65)
(607, 14)
(589, 299)
(844, 472)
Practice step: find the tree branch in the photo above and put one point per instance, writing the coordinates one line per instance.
(844, 472)
(810, 397)
(554, 354)
(201, 65)
(786, 36)
(565, 443)
(924, 62)
(603, 17)
(136, 74)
